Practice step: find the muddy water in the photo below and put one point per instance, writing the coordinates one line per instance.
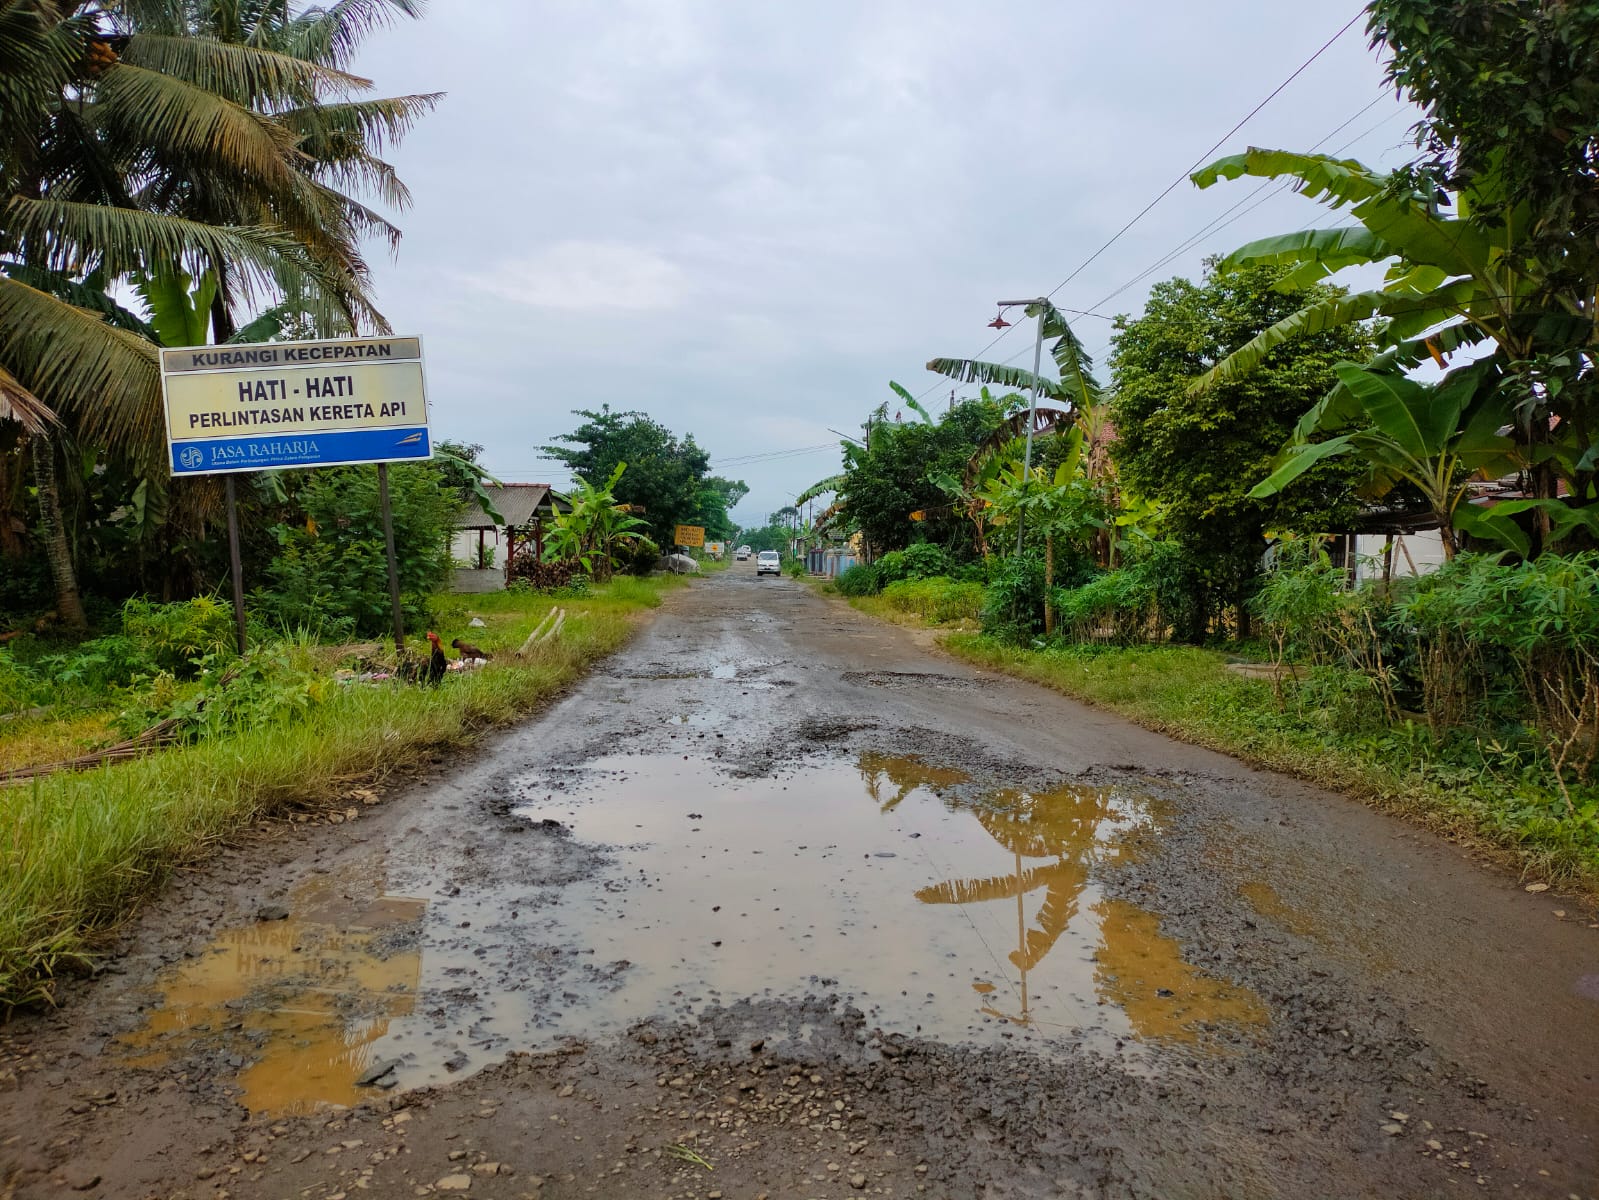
(300, 1005)
(943, 908)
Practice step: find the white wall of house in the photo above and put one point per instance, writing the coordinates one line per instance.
(1425, 554)
(463, 547)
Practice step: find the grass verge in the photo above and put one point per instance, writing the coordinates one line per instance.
(1188, 693)
(79, 852)
(1497, 797)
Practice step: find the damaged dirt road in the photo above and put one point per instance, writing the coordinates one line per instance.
(781, 902)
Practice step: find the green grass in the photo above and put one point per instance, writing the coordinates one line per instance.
(80, 852)
(1497, 796)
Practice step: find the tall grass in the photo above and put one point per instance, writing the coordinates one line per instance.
(79, 852)
(1508, 797)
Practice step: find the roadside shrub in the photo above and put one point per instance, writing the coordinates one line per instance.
(110, 662)
(1147, 599)
(177, 636)
(1341, 701)
(859, 580)
(332, 575)
(273, 685)
(1013, 604)
(1115, 608)
(921, 561)
(794, 569)
(1311, 613)
(546, 576)
(638, 558)
(21, 687)
(936, 600)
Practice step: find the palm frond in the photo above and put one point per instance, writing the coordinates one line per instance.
(20, 405)
(332, 35)
(1321, 177)
(122, 240)
(82, 295)
(330, 131)
(969, 370)
(821, 487)
(107, 380)
(254, 76)
(182, 123)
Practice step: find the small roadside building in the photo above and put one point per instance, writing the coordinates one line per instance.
(483, 548)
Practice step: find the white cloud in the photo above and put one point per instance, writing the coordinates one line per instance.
(579, 276)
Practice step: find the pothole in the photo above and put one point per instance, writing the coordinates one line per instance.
(945, 909)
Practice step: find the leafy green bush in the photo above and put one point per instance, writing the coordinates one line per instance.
(638, 557)
(1013, 604)
(108, 662)
(936, 600)
(794, 569)
(859, 580)
(177, 636)
(1144, 600)
(921, 561)
(332, 576)
(275, 684)
(21, 687)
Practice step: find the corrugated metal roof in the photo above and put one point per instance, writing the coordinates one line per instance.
(517, 503)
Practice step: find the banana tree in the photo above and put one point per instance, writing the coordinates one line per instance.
(1435, 437)
(1059, 506)
(1076, 393)
(1452, 281)
(596, 529)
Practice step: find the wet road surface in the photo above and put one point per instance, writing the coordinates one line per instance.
(780, 900)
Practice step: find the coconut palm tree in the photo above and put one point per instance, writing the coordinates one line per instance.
(160, 136)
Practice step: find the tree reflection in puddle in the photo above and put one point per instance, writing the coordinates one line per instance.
(1056, 838)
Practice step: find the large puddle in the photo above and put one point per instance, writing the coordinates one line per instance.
(943, 909)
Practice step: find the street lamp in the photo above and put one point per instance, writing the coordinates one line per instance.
(1042, 304)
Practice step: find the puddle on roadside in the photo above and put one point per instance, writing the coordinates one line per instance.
(943, 909)
(304, 1002)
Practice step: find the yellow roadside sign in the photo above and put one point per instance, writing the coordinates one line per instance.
(689, 535)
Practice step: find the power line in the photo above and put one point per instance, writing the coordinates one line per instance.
(1200, 161)
(769, 455)
(1171, 187)
(1222, 220)
(1225, 218)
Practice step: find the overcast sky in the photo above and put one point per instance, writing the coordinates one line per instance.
(745, 219)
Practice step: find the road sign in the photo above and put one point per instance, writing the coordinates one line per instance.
(689, 535)
(294, 404)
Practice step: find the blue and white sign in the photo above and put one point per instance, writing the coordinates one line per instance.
(295, 404)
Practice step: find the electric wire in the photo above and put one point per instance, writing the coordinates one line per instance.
(1177, 182)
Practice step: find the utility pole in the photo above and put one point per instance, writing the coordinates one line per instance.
(1042, 304)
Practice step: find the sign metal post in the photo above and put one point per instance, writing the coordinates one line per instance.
(235, 562)
(388, 547)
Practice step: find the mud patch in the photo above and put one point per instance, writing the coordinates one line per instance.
(901, 680)
(940, 907)
(294, 1009)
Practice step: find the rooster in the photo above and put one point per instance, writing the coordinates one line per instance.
(437, 663)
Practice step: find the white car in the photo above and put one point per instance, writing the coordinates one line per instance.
(741, 554)
(768, 562)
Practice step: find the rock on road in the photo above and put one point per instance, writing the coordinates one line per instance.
(783, 901)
